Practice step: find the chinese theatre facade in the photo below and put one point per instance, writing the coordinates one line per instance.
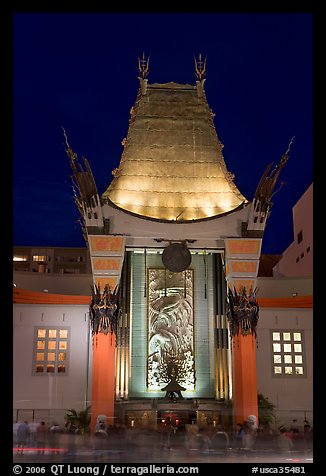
(175, 249)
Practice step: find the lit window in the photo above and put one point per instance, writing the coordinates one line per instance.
(288, 357)
(277, 347)
(20, 258)
(51, 350)
(299, 370)
(41, 258)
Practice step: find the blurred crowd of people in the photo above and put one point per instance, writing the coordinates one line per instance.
(37, 435)
(246, 436)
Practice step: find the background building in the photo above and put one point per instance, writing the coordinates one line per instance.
(297, 259)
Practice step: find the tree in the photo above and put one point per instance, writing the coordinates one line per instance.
(265, 411)
(80, 420)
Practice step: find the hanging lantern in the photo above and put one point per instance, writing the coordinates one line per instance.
(176, 257)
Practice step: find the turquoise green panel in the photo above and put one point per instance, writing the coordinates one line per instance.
(204, 312)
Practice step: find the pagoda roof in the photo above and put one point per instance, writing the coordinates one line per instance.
(172, 167)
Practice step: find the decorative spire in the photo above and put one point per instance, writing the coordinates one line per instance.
(71, 154)
(143, 66)
(265, 189)
(83, 179)
(200, 67)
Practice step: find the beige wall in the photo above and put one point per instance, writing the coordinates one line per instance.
(79, 285)
(293, 396)
(283, 287)
(50, 391)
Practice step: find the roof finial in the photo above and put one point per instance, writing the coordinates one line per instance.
(143, 66)
(265, 190)
(66, 139)
(289, 146)
(71, 154)
(284, 157)
(200, 67)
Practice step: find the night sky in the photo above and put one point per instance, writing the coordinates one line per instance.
(79, 71)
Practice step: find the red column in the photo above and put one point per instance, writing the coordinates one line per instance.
(103, 378)
(245, 394)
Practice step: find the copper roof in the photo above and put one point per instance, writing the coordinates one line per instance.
(172, 167)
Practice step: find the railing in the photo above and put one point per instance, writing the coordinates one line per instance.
(286, 417)
(40, 414)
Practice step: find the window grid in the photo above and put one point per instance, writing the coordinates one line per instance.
(51, 350)
(287, 348)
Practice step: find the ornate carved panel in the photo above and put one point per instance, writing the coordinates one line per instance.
(170, 327)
